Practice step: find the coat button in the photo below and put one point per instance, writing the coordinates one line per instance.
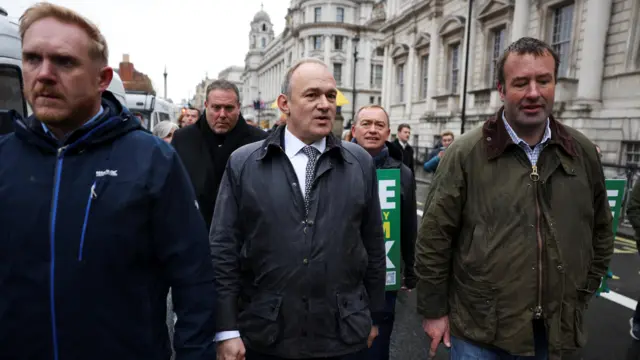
(305, 261)
(488, 138)
(310, 222)
(560, 268)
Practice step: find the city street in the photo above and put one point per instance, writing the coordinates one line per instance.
(607, 318)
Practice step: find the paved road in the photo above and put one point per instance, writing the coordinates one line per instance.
(607, 321)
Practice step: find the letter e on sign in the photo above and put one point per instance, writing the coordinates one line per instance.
(385, 190)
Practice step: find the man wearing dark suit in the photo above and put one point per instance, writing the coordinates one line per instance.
(205, 146)
(402, 141)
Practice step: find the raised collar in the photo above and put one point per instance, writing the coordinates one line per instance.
(275, 141)
(497, 138)
(292, 145)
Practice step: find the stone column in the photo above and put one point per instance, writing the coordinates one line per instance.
(385, 71)
(327, 50)
(434, 54)
(520, 24)
(409, 74)
(593, 51)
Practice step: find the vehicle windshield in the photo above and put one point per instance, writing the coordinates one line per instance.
(11, 96)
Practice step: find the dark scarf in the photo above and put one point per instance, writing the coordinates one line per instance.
(380, 158)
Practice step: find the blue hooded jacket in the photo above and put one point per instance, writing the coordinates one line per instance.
(93, 232)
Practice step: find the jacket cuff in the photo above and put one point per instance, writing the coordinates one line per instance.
(433, 302)
(377, 317)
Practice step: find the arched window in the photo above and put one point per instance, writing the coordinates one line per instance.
(264, 42)
(264, 27)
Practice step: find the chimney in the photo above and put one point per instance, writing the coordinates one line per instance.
(126, 69)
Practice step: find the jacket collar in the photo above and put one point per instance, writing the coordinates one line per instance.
(275, 142)
(497, 138)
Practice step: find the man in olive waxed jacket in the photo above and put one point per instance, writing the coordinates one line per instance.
(517, 234)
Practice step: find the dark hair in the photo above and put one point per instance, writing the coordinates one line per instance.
(402, 126)
(223, 85)
(526, 45)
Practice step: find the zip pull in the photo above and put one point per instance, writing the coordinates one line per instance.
(534, 173)
(93, 191)
(61, 150)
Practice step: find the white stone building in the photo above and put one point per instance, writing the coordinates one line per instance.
(598, 41)
(323, 29)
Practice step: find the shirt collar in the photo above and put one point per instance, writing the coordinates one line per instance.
(94, 118)
(517, 140)
(293, 145)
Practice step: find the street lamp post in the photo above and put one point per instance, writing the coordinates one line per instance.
(259, 106)
(355, 40)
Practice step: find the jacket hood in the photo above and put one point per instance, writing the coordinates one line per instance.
(115, 121)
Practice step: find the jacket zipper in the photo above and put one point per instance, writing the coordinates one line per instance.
(92, 195)
(52, 246)
(534, 176)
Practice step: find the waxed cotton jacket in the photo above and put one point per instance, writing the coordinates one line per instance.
(503, 242)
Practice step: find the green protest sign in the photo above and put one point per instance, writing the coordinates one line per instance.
(389, 193)
(615, 195)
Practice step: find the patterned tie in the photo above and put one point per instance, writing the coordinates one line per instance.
(312, 153)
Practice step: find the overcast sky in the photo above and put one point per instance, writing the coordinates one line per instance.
(191, 37)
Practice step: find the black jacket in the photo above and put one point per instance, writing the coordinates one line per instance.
(407, 154)
(205, 165)
(299, 287)
(92, 234)
(408, 216)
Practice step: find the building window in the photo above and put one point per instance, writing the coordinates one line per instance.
(253, 42)
(264, 43)
(379, 100)
(317, 14)
(497, 47)
(454, 67)
(264, 27)
(400, 83)
(372, 99)
(337, 72)
(376, 76)
(338, 42)
(561, 36)
(424, 76)
(317, 42)
(340, 15)
(379, 52)
(632, 153)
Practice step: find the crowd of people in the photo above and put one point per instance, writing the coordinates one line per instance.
(272, 242)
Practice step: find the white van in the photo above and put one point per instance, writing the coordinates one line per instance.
(11, 83)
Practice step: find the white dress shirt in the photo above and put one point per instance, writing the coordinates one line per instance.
(293, 148)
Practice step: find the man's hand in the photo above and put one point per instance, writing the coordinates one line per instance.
(373, 334)
(232, 349)
(441, 154)
(438, 330)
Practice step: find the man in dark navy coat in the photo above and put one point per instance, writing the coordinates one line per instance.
(98, 216)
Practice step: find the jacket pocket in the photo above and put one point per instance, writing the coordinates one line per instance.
(474, 313)
(259, 320)
(354, 324)
(578, 323)
(85, 222)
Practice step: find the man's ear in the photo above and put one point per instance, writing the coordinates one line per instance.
(283, 104)
(501, 91)
(106, 75)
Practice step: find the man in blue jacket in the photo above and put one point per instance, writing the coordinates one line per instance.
(98, 216)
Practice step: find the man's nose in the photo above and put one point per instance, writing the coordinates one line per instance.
(324, 103)
(533, 91)
(46, 72)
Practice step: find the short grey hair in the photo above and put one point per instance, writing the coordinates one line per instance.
(163, 128)
(222, 84)
(286, 84)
